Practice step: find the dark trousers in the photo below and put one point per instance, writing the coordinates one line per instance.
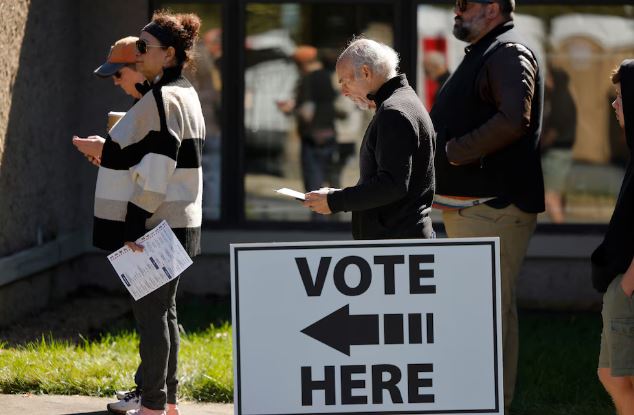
(319, 164)
(157, 324)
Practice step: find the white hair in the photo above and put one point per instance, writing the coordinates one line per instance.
(379, 57)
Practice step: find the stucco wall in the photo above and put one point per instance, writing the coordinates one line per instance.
(13, 14)
(48, 94)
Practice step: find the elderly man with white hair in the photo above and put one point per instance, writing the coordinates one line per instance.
(393, 196)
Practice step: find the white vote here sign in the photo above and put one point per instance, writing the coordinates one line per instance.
(367, 327)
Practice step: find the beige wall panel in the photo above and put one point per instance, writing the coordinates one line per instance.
(590, 66)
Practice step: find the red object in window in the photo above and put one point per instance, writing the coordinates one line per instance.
(432, 44)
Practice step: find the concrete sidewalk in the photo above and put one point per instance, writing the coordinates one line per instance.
(71, 405)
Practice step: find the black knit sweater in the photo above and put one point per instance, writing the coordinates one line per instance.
(396, 186)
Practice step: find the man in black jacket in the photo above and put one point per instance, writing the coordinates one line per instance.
(393, 196)
(613, 264)
(488, 171)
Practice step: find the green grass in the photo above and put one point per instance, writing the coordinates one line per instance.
(558, 355)
(101, 366)
(558, 365)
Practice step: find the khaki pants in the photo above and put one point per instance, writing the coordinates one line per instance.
(514, 227)
(617, 341)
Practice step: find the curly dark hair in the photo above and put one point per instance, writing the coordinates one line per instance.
(616, 75)
(184, 27)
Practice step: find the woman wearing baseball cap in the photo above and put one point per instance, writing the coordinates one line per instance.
(121, 66)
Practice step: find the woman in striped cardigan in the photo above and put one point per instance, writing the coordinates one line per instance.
(151, 171)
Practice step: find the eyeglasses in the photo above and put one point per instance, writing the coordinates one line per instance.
(463, 4)
(141, 46)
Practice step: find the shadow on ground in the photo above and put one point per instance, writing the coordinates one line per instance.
(91, 313)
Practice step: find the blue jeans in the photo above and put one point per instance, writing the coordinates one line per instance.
(319, 164)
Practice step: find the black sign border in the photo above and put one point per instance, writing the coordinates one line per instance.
(430, 242)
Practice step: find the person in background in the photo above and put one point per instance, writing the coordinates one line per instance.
(393, 196)
(121, 67)
(314, 109)
(151, 171)
(212, 40)
(435, 68)
(558, 136)
(488, 172)
(270, 76)
(205, 75)
(613, 266)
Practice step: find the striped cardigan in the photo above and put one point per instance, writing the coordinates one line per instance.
(151, 168)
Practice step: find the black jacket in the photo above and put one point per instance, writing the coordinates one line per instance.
(396, 186)
(488, 118)
(615, 253)
(316, 88)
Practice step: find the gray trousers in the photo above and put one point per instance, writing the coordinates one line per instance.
(157, 324)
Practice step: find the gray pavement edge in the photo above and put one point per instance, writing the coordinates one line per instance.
(29, 404)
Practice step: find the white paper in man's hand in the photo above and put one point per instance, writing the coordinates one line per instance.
(163, 259)
(292, 193)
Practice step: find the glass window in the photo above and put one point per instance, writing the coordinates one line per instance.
(300, 132)
(206, 77)
(583, 149)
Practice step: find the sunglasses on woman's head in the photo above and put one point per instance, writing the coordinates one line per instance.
(462, 4)
(141, 46)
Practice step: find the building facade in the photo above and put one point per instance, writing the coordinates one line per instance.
(247, 74)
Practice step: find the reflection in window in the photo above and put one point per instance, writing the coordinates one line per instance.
(300, 132)
(206, 77)
(583, 148)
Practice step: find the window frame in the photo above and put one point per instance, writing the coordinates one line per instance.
(232, 207)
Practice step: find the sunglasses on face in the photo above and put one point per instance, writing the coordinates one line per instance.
(141, 46)
(119, 74)
(463, 4)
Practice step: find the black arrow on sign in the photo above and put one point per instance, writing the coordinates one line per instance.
(340, 330)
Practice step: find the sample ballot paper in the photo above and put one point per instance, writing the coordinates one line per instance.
(163, 259)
